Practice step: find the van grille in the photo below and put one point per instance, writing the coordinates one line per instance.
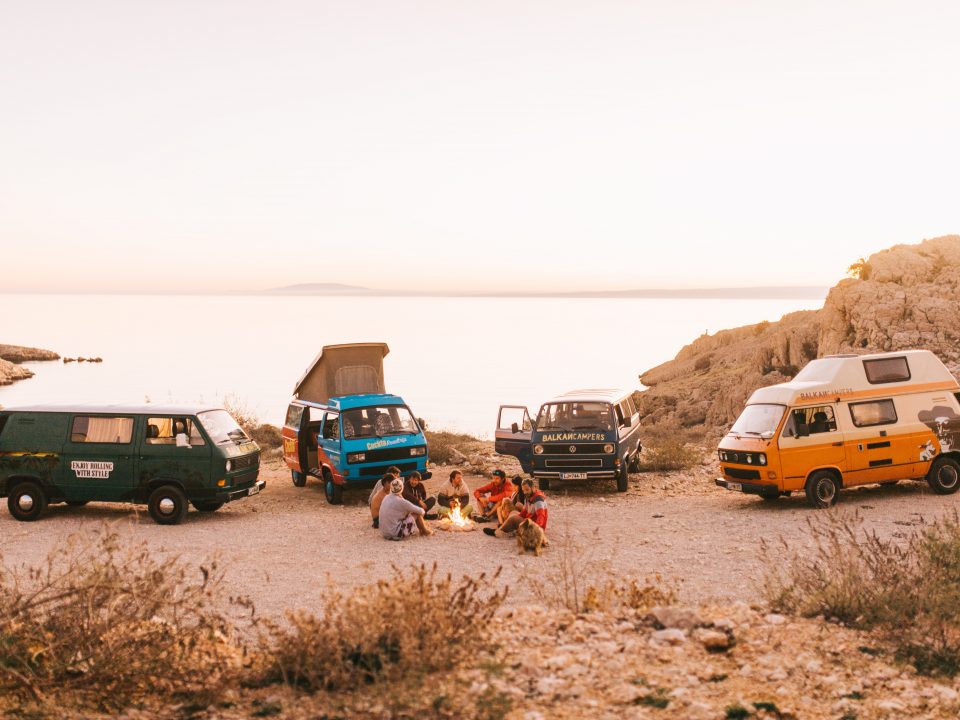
(580, 449)
(379, 471)
(387, 454)
(246, 461)
(572, 463)
(741, 474)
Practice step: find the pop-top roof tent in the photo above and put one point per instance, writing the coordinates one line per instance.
(846, 377)
(350, 369)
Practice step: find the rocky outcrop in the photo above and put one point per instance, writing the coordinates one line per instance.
(906, 297)
(12, 355)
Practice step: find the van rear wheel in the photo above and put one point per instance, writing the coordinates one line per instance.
(299, 479)
(167, 505)
(26, 501)
(944, 476)
(822, 489)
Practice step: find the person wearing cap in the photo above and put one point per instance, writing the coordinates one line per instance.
(534, 508)
(492, 494)
(398, 517)
(415, 492)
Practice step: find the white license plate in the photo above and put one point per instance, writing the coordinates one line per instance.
(734, 486)
(573, 476)
(253, 491)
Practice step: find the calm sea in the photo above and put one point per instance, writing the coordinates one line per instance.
(454, 360)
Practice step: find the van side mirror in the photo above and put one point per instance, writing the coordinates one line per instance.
(183, 441)
(422, 423)
(514, 428)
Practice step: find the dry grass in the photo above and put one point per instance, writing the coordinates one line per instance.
(669, 454)
(909, 591)
(442, 444)
(110, 623)
(397, 630)
(576, 575)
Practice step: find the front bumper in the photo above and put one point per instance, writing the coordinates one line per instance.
(582, 474)
(232, 495)
(749, 488)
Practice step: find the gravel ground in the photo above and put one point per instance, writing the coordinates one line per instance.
(284, 546)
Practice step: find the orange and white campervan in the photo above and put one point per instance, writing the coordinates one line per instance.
(848, 420)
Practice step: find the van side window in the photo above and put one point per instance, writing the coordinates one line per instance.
(164, 430)
(294, 415)
(811, 421)
(331, 427)
(886, 370)
(101, 430)
(876, 412)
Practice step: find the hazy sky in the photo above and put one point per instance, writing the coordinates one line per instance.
(241, 145)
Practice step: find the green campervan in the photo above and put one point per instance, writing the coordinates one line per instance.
(163, 456)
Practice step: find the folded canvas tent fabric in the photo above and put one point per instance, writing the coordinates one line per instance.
(351, 369)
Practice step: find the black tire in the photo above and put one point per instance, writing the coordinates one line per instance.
(944, 476)
(332, 490)
(543, 483)
(822, 489)
(77, 503)
(299, 479)
(623, 478)
(167, 505)
(26, 501)
(887, 483)
(208, 507)
(770, 498)
(635, 463)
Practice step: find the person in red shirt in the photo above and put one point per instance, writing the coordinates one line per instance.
(492, 494)
(534, 507)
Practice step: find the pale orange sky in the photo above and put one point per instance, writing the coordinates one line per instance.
(230, 146)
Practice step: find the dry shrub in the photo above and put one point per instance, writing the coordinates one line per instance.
(668, 455)
(575, 577)
(442, 443)
(266, 436)
(110, 623)
(909, 591)
(399, 629)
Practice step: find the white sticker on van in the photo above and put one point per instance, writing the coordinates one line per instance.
(89, 469)
(378, 444)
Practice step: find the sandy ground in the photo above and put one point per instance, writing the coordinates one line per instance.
(284, 546)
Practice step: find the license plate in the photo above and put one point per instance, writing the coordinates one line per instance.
(734, 486)
(254, 490)
(573, 476)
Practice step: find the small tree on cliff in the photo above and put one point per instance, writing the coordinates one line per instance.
(859, 270)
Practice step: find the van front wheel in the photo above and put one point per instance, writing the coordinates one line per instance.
(333, 491)
(822, 489)
(167, 505)
(623, 478)
(26, 501)
(944, 476)
(299, 479)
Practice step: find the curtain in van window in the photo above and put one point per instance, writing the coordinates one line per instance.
(109, 430)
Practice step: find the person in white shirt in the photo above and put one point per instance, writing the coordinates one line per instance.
(398, 516)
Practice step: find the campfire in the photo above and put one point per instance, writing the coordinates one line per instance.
(457, 520)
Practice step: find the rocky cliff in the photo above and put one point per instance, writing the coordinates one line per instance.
(12, 355)
(902, 298)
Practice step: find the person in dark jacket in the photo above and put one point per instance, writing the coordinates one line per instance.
(415, 492)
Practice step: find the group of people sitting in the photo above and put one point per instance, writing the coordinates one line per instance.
(397, 507)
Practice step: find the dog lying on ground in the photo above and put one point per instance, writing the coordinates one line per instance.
(530, 536)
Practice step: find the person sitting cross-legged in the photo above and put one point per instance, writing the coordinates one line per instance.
(534, 507)
(489, 496)
(455, 492)
(415, 492)
(398, 517)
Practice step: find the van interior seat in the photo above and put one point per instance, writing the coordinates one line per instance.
(820, 423)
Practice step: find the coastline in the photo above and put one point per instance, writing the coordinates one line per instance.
(11, 357)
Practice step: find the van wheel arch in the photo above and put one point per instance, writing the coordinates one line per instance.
(14, 480)
(148, 489)
(833, 471)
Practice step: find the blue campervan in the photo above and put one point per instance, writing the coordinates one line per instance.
(342, 428)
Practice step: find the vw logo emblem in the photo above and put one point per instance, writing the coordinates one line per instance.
(573, 448)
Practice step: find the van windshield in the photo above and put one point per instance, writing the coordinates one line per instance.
(759, 420)
(575, 416)
(221, 427)
(378, 421)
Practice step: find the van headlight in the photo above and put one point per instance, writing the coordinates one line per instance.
(229, 465)
(538, 449)
(763, 458)
(608, 448)
(418, 451)
(356, 457)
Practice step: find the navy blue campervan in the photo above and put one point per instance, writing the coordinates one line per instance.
(581, 435)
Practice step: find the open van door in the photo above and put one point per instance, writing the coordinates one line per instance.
(513, 433)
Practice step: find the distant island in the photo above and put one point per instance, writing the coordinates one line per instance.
(798, 291)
